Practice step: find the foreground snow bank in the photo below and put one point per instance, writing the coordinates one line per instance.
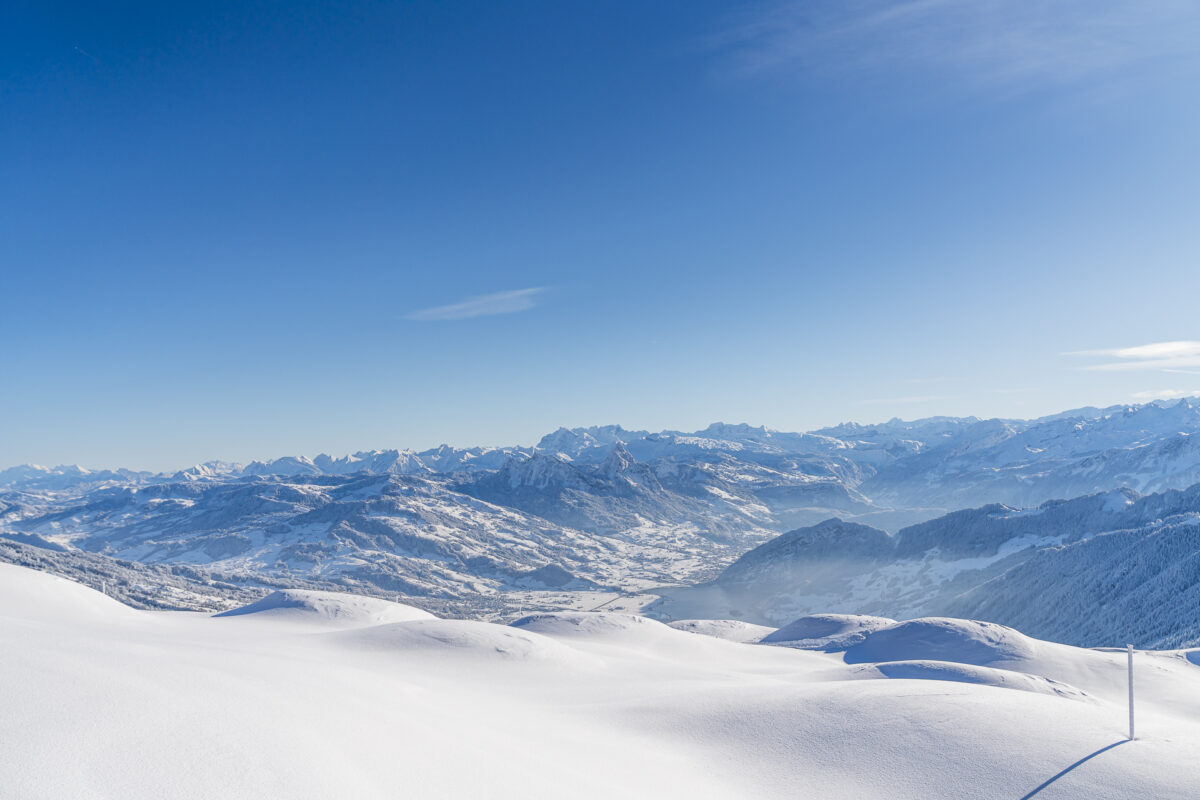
(104, 702)
(31, 595)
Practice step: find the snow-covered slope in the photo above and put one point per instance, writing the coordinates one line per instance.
(160, 586)
(106, 702)
(408, 534)
(334, 609)
(1140, 584)
(733, 630)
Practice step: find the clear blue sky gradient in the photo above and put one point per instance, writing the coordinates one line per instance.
(233, 229)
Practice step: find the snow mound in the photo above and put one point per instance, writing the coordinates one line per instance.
(594, 625)
(328, 608)
(827, 631)
(483, 640)
(943, 639)
(733, 630)
(970, 673)
(27, 593)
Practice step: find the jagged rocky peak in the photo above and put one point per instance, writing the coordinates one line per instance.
(571, 442)
(288, 465)
(446, 458)
(756, 438)
(896, 428)
(540, 471)
(735, 432)
(209, 470)
(618, 460)
(374, 461)
(621, 465)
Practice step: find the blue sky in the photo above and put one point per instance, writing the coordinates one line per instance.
(239, 230)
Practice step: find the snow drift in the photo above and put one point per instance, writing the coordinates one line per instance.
(826, 631)
(327, 608)
(942, 639)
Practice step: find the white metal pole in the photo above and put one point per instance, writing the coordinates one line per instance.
(1129, 650)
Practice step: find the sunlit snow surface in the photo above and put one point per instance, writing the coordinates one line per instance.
(318, 695)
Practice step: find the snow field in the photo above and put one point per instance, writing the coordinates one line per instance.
(105, 702)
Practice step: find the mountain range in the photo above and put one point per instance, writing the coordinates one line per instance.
(874, 518)
(1102, 569)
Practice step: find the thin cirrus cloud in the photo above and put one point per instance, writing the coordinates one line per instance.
(990, 42)
(1165, 394)
(482, 305)
(1178, 356)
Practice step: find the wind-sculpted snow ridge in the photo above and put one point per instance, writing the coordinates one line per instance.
(594, 625)
(733, 630)
(828, 632)
(460, 708)
(328, 608)
(942, 639)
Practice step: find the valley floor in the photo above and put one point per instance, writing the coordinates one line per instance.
(325, 696)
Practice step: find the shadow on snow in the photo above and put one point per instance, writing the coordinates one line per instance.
(1078, 763)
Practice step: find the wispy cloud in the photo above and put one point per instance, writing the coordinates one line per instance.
(995, 42)
(482, 305)
(1165, 394)
(1179, 356)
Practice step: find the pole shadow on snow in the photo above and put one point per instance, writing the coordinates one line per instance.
(1078, 763)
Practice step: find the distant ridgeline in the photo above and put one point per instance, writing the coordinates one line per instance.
(1097, 570)
(605, 508)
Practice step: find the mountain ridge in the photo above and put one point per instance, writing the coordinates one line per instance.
(574, 441)
(613, 510)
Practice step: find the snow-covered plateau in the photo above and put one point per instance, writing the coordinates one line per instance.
(311, 694)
